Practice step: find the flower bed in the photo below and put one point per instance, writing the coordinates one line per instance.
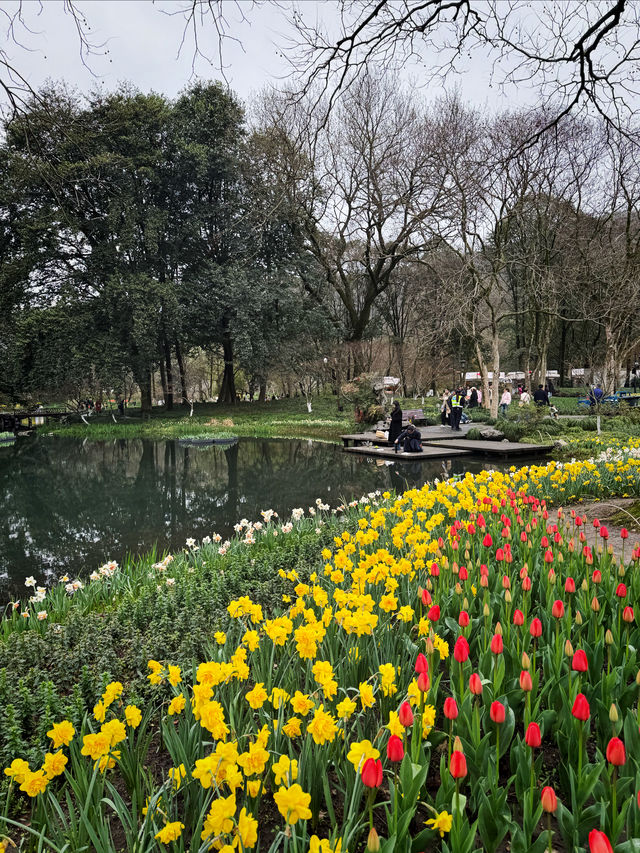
(455, 670)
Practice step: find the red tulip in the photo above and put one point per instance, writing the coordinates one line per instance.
(424, 682)
(422, 664)
(548, 556)
(463, 619)
(525, 681)
(475, 684)
(499, 555)
(496, 712)
(579, 662)
(604, 532)
(518, 617)
(624, 533)
(532, 737)
(615, 752)
(405, 715)
(596, 523)
(425, 597)
(526, 584)
(434, 613)
(395, 749)
(435, 570)
(557, 610)
(506, 582)
(596, 577)
(461, 650)
(627, 614)
(621, 590)
(535, 629)
(549, 800)
(458, 765)
(497, 644)
(581, 710)
(569, 585)
(599, 843)
(450, 708)
(487, 541)
(371, 773)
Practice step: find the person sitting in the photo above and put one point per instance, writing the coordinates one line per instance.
(410, 440)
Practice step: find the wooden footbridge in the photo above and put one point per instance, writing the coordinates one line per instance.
(14, 420)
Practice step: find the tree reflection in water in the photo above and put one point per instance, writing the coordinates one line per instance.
(69, 505)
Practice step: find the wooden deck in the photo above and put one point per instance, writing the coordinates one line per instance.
(428, 452)
(359, 438)
(492, 448)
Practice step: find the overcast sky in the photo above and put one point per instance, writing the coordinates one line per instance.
(143, 42)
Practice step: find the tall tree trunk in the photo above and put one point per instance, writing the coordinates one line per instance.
(144, 383)
(484, 373)
(163, 380)
(562, 354)
(263, 390)
(227, 392)
(495, 384)
(183, 374)
(167, 357)
(610, 377)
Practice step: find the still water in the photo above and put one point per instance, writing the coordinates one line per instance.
(69, 505)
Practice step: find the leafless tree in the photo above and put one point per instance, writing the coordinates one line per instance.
(366, 191)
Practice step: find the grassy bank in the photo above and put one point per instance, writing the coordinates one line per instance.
(277, 419)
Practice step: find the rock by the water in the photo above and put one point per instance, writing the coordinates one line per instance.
(490, 434)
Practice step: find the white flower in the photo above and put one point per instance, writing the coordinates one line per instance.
(267, 515)
(42, 614)
(69, 588)
(30, 581)
(190, 543)
(94, 576)
(238, 527)
(222, 550)
(287, 528)
(171, 581)
(317, 530)
(257, 525)
(318, 501)
(312, 510)
(206, 540)
(297, 513)
(64, 579)
(216, 537)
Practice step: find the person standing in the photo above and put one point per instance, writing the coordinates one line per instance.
(540, 397)
(525, 397)
(456, 403)
(505, 401)
(473, 398)
(445, 409)
(395, 427)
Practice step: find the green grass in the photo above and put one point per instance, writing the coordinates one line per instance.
(278, 419)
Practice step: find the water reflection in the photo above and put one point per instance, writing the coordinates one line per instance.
(68, 505)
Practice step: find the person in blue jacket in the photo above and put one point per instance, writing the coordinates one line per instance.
(410, 440)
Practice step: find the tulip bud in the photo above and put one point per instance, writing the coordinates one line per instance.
(578, 618)
(497, 644)
(373, 841)
(458, 765)
(450, 708)
(475, 684)
(616, 754)
(457, 744)
(428, 584)
(526, 661)
(422, 664)
(608, 637)
(507, 596)
(638, 678)
(424, 683)
(395, 749)
(533, 737)
(595, 604)
(465, 603)
(549, 800)
(568, 649)
(627, 614)
(584, 586)
(485, 610)
(613, 713)
(581, 710)
(580, 662)
(497, 712)
(526, 683)
(405, 715)
(430, 648)
(498, 628)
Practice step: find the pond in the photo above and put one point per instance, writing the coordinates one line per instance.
(69, 505)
